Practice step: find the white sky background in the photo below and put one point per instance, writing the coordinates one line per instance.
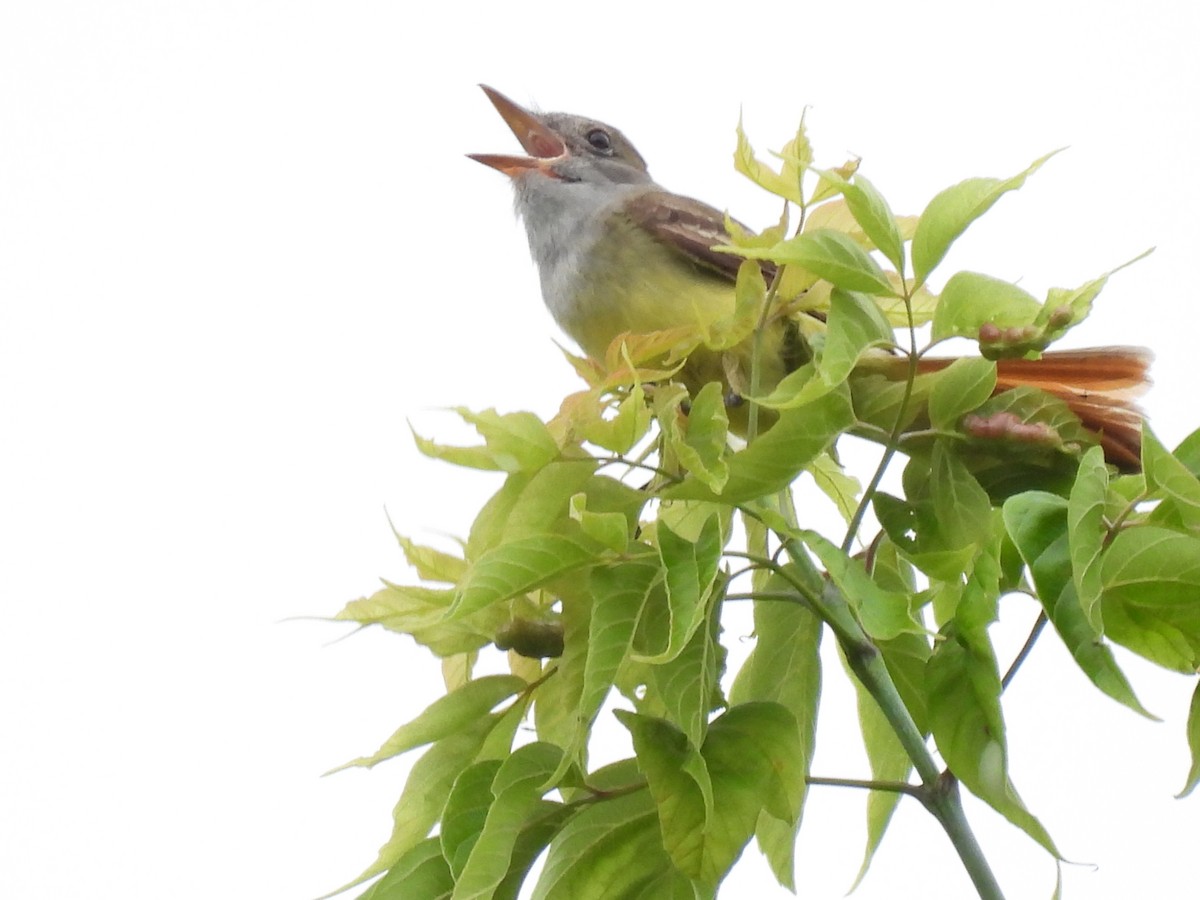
(240, 245)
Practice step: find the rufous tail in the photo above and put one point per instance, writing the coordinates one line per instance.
(1098, 384)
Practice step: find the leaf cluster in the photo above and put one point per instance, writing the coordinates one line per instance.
(626, 524)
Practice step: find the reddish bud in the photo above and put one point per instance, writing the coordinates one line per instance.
(989, 333)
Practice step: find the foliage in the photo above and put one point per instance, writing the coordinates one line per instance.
(627, 523)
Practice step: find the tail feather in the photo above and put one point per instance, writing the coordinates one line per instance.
(1098, 384)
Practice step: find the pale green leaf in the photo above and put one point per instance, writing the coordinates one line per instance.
(1038, 523)
(971, 300)
(1086, 532)
(1170, 479)
(429, 783)
(529, 504)
(1193, 739)
(419, 874)
(888, 761)
(690, 569)
(854, 324)
(775, 458)
(608, 528)
(950, 213)
(960, 388)
(874, 216)
(518, 442)
(784, 667)
(1067, 307)
(445, 716)
(884, 614)
(688, 684)
(517, 792)
(1151, 583)
(556, 700)
(833, 256)
(612, 848)
(465, 812)
(760, 173)
(431, 564)
(628, 426)
(522, 565)
(844, 490)
(700, 443)
(964, 708)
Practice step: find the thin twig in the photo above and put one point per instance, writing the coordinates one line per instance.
(892, 787)
(1024, 652)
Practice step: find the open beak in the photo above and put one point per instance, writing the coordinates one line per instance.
(540, 142)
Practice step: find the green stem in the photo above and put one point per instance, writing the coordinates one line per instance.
(937, 791)
(944, 801)
(891, 787)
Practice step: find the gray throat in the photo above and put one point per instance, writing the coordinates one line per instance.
(563, 220)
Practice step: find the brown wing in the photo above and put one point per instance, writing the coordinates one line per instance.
(690, 227)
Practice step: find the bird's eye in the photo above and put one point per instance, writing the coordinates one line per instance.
(599, 139)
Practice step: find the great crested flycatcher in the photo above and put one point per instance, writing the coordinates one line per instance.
(617, 253)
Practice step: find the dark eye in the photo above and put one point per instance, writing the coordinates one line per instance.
(599, 139)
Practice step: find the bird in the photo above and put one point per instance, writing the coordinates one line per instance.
(617, 253)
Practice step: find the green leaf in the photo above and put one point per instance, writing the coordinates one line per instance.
(662, 755)
(688, 685)
(1086, 533)
(1193, 739)
(961, 387)
(950, 213)
(1169, 478)
(884, 614)
(775, 458)
(832, 480)
(611, 849)
(784, 667)
(556, 701)
(874, 216)
(970, 300)
(517, 791)
(530, 504)
(752, 756)
(786, 186)
(622, 432)
(445, 716)
(690, 569)
(513, 442)
(1038, 525)
(465, 812)
(429, 784)
(889, 762)
(619, 594)
(518, 442)
(1151, 581)
(419, 874)
(854, 324)
(522, 565)
(610, 529)
(961, 506)
(543, 823)
(833, 256)
(421, 613)
(750, 295)
(756, 762)
(964, 708)
(1067, 307)
(1188, 452)
(431, 564)
(700, 448)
